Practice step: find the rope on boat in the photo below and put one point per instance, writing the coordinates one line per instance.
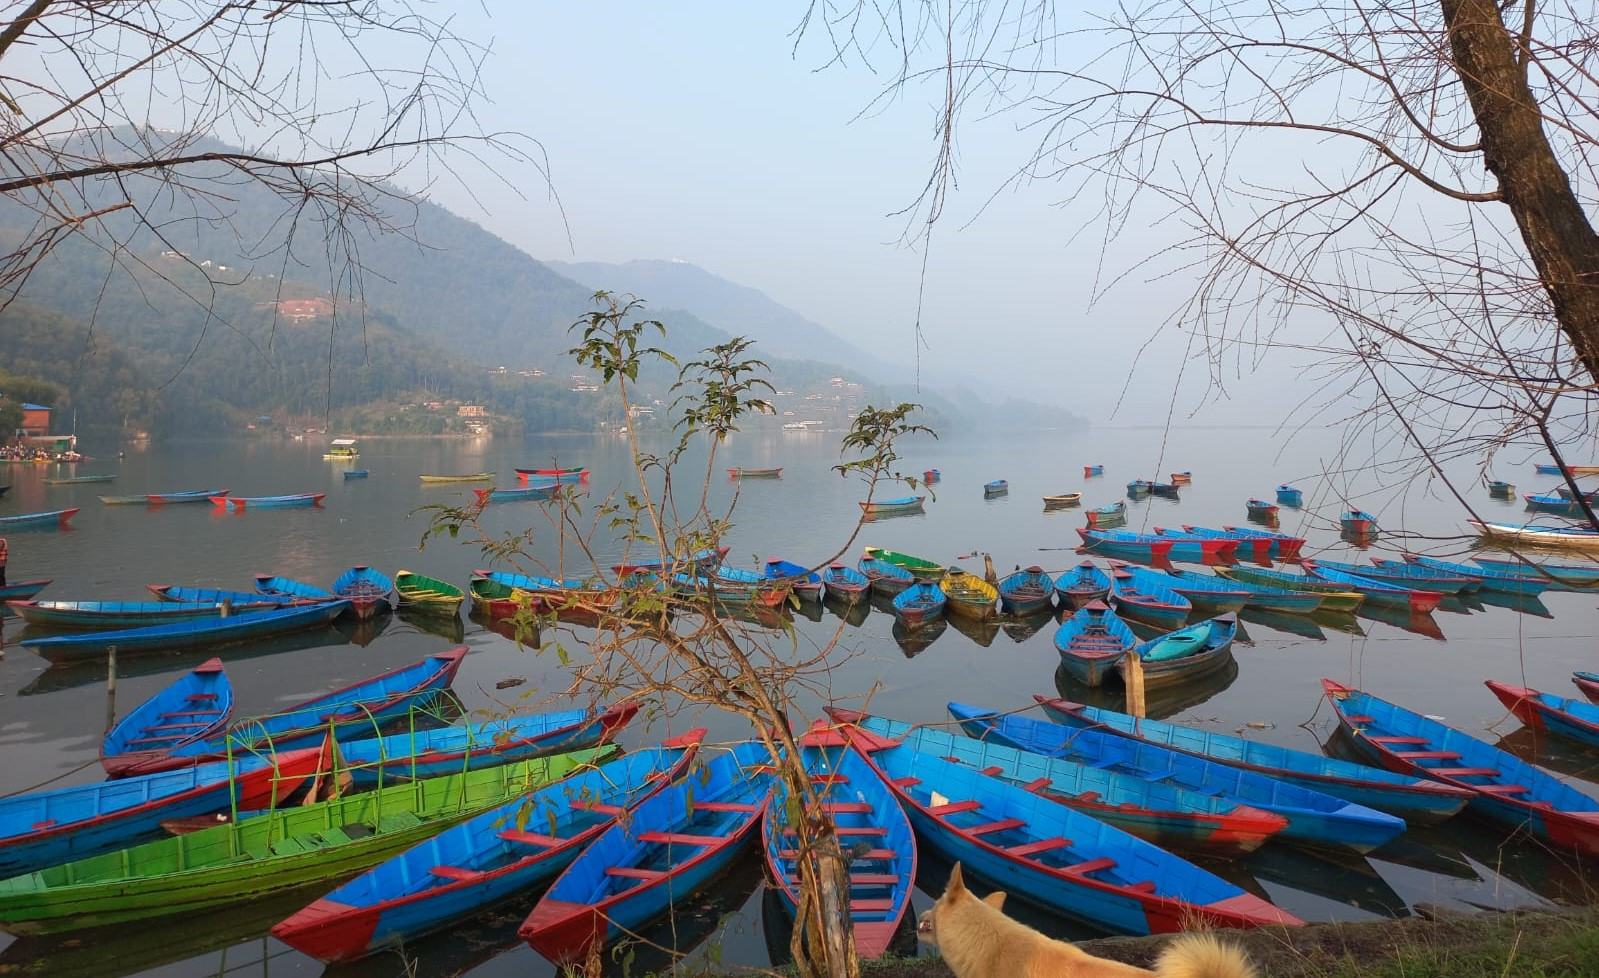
(41, 784)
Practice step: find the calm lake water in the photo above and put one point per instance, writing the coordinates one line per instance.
(51, 719)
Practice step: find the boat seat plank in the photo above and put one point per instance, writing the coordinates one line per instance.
(1503, 789)
(991, 771)
(1037, 785)
(1399, 740)
(873, 879)
(870, 855)
(954, 808)
(598, 807)
(1358, 719)
(633, 873)
(847, 830)
(1001, 825)
(681, 838)
(165, 739)
(457, 873)
(1464, 772)
(1429, 755)
(201, 698)
(1147, 886)
(189, 725)
(829, 779)
(907, 782)
(724, 806)
(1042, 845)
(846, 808)
(531, 838)
(1090, 866)
(870, 906)
(191, 713)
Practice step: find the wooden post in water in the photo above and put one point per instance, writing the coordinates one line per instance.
(111, 688)
(1133, 677)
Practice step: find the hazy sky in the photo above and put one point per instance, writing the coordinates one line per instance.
(695, 131)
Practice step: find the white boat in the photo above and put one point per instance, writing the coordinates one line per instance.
(1561, 537)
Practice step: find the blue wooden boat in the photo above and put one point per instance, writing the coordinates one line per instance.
(1564, 492)
(1092, 642)
(1147, 601)
(931, 476)
(1167, 815)
(1358, 522)
(1413, 574)
(998, 487)
(1411, 798)
(1053, 856)
(1139, 488)
(55, 517)
(1419, 601)
(1026, 591)
(1552, 503)
(208, 632)
(1260, 509)
(380, 761)
(733, 586)
(1148, 547)
(805, 582)
(570, 594)
(1089, 471)
(1261, 545)
(1187, 654)
(1588, 682)
(497, 495)
(198, 705)
(892, 507)
(1210, 595)
(121, 614)
(1167, 489)
(1315, 818)
(1289, 496)
(368, 590)
(49, 828)
(240, 504)
(1082, 584)
(237, 599)
(1574, 719)
(286, 587)
(918, 603)
(570, 475)
(1505, 788)
(351, 712)
(671, 845)
(705, 559)
(846, 583)
(23, 590)
(1113, 515)
(1256, 595)
(1547, 468)
(164, 498)
(871, 827)
(356, 473)
(486, 860)
(1501, 490)
(887, 579)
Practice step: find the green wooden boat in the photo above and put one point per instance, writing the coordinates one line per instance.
(272, 851)
(1335, 597)
(422, 593)
(925, 570)
(473, 477)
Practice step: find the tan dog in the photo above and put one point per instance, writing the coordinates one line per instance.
(979, 941)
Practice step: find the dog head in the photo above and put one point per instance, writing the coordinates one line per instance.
(956, 898)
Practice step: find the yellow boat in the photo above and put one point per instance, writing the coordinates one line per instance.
(969, 595)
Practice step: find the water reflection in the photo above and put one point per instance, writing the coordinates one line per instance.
(1301, 625)
(1160, 702)
(449, 628)
(1343, 878)
(1555, 753)
(1339, 621)
(1019, 630)
(854, 613)
(1417, 623)
(913, 641)
(981, 632)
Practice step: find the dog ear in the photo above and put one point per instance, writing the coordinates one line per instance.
(956, 884)
(996, 899)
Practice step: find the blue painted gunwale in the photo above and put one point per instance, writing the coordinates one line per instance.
(1315, 818)
(122, 614)
(381, 761)
(211, 595)
(1505, 788)
(1026, 591)
(721, 805)
(1081, 584)
(918, 603)
(49, 828)
(368, 590)
(805, 582)
(1411, 798)
(1546, 468)
(1147, 601)
(1401, 574)
(1166, 815)
(1489, 579)
(57, 516)
(845, 582)
(1263, 597)
(493, 857)
(186, 634)
(352, 712)
(1052, 856)
(887, 579)
(863, 810)
(1574, 719)
(1091, 643)
(1207, 594)
(196, 705)
(287, 587)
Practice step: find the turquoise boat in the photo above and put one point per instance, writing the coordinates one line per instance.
(209, 632)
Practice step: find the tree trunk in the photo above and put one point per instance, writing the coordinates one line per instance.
(823, 943)
(1532, 183)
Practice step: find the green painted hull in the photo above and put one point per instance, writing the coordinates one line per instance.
(428, 593)
(922, 569)
(285, 848)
